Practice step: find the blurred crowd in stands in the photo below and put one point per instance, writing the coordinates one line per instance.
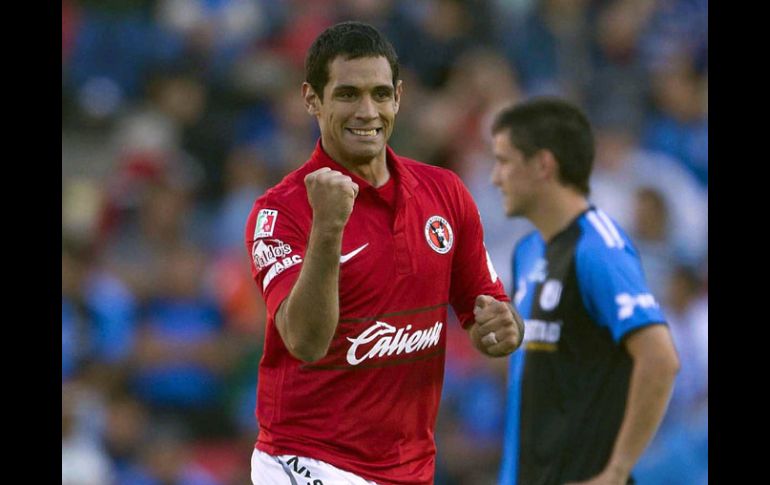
(178, 114)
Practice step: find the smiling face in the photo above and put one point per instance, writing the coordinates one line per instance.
(358, 109)
(517, 177)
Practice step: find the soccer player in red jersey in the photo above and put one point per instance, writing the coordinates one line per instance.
(358, 254)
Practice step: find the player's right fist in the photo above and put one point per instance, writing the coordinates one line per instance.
(331, 195)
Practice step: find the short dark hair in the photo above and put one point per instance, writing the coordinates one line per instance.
(552, 124)
(352, 40)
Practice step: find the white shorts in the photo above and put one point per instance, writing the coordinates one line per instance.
(298, 470)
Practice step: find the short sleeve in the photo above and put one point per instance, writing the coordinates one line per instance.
(614, 290)
(276, 242)
(473, 273)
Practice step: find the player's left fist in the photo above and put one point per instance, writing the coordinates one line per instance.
(499, 328)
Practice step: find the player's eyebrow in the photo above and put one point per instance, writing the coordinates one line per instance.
(346, 87)
(384, 87)
(356, 89)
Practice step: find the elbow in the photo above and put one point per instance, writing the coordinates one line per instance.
(310, 357)
(308, 353)
(304, 342)
(669, 362)
(667, 367)
(663, 367)
(675, 365)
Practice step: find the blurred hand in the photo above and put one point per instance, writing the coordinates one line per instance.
(331, 195)
(500, 332)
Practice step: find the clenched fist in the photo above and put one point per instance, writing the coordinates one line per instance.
(331, 195)
(498, 330)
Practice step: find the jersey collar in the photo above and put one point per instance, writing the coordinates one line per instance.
(406, 181)
(570, 226)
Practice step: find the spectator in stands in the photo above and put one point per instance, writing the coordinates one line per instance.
(182, 353)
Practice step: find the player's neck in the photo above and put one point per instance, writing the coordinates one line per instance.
(557, 211)
(374, 171)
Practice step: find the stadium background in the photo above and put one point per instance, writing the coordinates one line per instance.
(177, 114)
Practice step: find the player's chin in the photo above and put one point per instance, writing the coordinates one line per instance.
(514, 209)
(365, 152)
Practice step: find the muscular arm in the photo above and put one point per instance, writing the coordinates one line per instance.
(308, 317)
(652, 380)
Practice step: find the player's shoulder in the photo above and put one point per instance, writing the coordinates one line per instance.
(529, 246)
(290, 187)
(287, 197)
(441, 182)
(601, 237)
(530, 240)
(426, 172)
(288, 192)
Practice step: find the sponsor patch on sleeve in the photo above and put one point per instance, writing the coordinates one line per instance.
(274, 254)
(628, 303)
(267, 251)
(279, 267)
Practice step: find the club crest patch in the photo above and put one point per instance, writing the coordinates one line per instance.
(439, 235)
(265, 223)
(550, 294)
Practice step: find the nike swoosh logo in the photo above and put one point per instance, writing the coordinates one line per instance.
(346, 257)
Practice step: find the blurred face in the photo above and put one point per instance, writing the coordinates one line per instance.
(358, 110)
(515, 176)
(126, 423)
(650, 215)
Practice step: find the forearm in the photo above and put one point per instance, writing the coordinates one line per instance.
(308, 317)
(648, 395)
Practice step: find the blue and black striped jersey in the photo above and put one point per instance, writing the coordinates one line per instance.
(580, 294)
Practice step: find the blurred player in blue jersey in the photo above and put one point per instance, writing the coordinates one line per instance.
(587, 395)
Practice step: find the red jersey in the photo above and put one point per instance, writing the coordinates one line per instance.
(369, 406)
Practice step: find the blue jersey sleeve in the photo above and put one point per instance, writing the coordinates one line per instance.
(613, 288)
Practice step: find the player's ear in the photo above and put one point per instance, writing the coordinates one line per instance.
(548, 165)
(311, 99)
(397, 95)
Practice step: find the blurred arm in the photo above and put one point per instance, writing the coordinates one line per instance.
(652, 380)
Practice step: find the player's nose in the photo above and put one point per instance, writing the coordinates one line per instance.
(367, 108)
(494, 177)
